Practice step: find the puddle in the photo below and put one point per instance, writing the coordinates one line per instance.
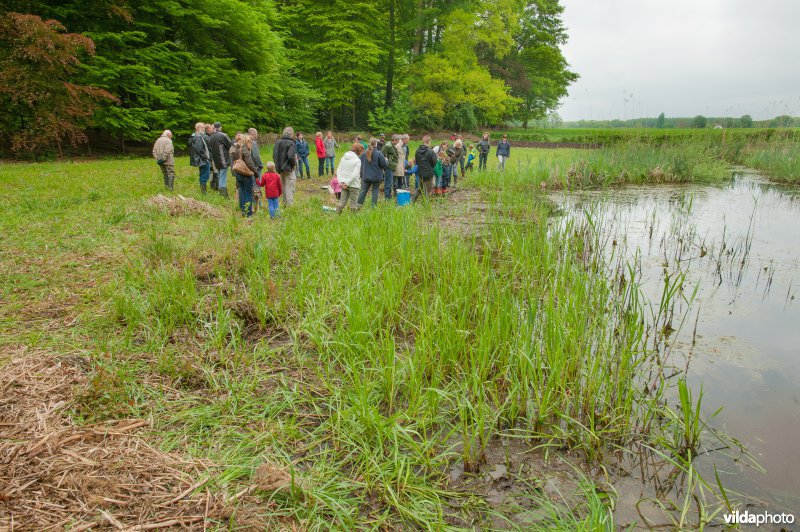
(739, 244)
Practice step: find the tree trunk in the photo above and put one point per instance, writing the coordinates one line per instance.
(420, 29)
(390, 66)
(330, 120)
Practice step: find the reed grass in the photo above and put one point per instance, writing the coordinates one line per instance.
(367, 353)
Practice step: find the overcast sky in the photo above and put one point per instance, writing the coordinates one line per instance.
(683, 58)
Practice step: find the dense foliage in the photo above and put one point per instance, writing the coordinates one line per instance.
(399, 63)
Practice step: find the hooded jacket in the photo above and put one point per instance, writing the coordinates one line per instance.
(220, 146)
(349, 170)
(284, 155)
(320, 147)
(426, 159)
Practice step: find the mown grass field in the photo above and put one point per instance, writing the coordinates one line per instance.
(397, 368)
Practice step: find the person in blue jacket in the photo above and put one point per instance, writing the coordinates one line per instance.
(301, 146)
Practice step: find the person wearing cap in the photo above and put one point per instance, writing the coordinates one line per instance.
(164, 154)
(220, 154)
(503, 152)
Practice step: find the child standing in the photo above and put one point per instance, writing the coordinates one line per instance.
(272, 188)
(336, 187)
(473, 153)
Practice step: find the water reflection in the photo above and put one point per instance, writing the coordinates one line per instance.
(739, 244)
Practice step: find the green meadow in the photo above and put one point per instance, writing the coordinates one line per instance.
(407, 368)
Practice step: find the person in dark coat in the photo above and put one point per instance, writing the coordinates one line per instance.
(373, 170)
(484, 147)
(220, 154)
(284, 155)
(199, 154)
(426, 160)
(301, 146)
(214, 175)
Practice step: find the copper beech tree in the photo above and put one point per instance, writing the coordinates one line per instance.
(40, 107)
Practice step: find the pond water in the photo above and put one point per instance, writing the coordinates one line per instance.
(739, 245)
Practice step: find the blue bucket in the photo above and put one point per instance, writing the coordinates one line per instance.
(403, 197)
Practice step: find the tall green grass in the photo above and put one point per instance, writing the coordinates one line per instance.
(367, 354)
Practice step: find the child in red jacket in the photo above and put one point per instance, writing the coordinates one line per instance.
(272, 188)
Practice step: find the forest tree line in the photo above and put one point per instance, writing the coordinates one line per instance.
(128, 68)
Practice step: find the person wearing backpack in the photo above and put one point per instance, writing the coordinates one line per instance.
(426, 160)
(284, 155)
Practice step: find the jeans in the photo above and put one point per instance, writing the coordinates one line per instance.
(301, 160)
(482, 160)
(329, 164)
(245, 185)
(205, 171)
(288, 181)
(376, 188)
(348, 194)
(273, 205)
(400, 182)
(454, 173)
(502, 159)
(388, 183)
(320, 167)
(223, 178)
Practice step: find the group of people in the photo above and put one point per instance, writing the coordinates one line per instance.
(367, 167)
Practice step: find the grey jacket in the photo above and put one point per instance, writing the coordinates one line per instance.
(330, 147)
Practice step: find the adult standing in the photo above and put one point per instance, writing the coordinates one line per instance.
(330, 152)
(374, 168)
(244, 169)
(214, 175)
(456, 159)
(484, 146)
(349, 176)
(399, 169)
(320, 154)
(256, 151)
(381, 141)
(426, 159)
(199, 154)
(301, 146)
(220, 154)
(284, 156)
(389, 151)
(463, 158)
(164, 154)
(503, 152)
(256, 154)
